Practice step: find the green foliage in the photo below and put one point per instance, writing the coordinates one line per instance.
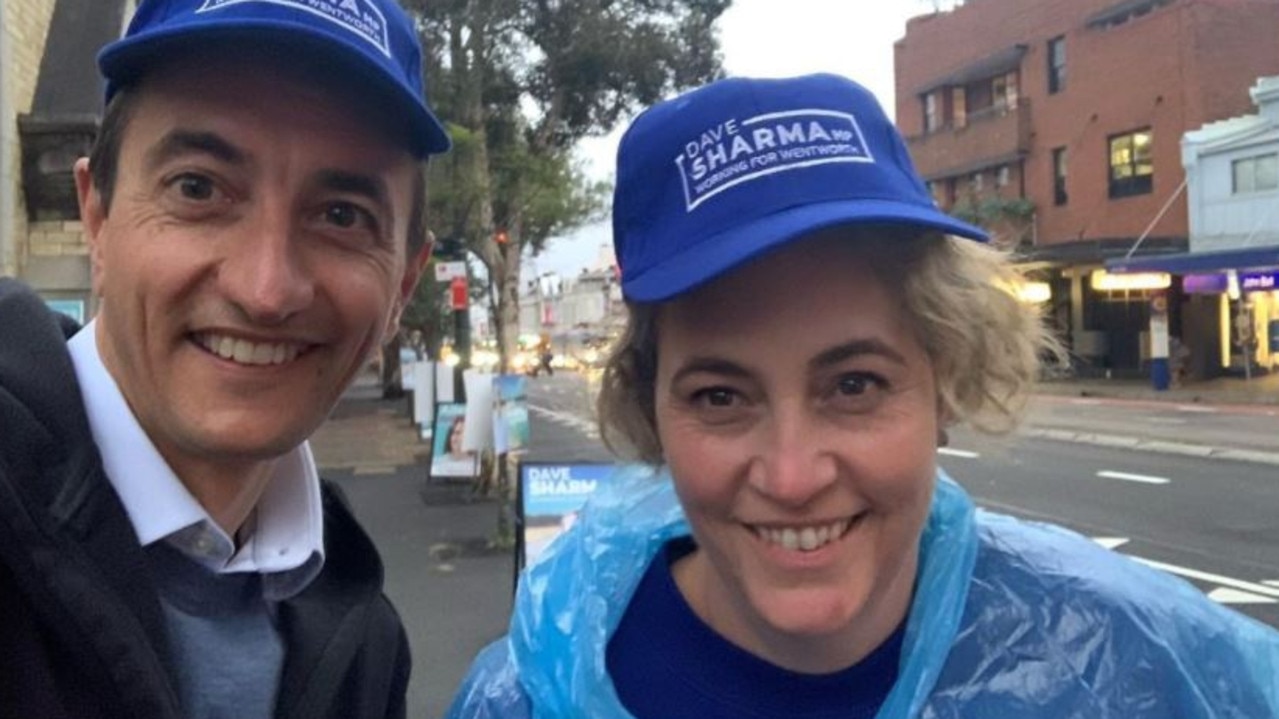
(991, 211)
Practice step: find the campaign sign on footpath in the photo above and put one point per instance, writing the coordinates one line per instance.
(550, 496)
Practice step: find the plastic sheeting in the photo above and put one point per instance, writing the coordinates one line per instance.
(1010, 619)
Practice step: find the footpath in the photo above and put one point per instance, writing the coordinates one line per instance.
(453, 588)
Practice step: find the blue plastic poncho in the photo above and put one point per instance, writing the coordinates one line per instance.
(1010, 619)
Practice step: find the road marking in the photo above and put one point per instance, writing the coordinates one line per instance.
(1111, 543)
(949, 452)
(1211, 578)
(1128, 477)
(1166, 420)
(1272, 582)
(1197, 408)
(1222, 595)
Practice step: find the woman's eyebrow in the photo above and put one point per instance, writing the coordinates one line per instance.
(712, 365)
(855, 348)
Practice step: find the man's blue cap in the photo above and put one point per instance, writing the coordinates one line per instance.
(375, 37)
(727, 172)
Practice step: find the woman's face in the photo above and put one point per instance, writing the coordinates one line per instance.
(799, 417)
(455, 436)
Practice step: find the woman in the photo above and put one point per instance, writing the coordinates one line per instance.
(803, 327)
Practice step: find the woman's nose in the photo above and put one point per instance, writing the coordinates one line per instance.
(793, 466)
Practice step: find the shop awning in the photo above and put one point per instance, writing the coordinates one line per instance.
(1243, 258)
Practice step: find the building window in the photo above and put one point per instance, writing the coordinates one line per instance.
(976, 183)
(1056, 65)
(1002, 176)
(1003, 91)
(1131, 167)
(959, 107)
(932, 112)
(938, 192)
(1059, 176)
(1256, 174)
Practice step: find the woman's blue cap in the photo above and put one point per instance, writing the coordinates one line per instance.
(727, 172)
(374, 36)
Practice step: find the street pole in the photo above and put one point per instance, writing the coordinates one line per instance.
(460, 300)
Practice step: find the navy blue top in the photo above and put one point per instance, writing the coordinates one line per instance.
(665, 662)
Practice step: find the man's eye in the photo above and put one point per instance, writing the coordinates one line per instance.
(716, 397)
(346, 215)
(195, 187)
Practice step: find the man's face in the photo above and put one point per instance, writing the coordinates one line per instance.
(252, 257)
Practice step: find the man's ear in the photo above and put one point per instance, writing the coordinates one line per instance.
(93, 214)
(408, 283)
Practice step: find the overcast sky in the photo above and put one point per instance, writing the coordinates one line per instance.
(770, 38)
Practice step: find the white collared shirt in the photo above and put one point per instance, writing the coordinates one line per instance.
(285, 531)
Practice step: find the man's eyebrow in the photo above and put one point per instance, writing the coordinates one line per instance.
(855, 348)
(180, 142)
(370, 186)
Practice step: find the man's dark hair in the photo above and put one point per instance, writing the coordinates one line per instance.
(104, 165)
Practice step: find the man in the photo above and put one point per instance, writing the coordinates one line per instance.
(254, 211)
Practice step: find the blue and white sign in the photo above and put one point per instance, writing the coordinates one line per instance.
(738, 151)
(551, 496)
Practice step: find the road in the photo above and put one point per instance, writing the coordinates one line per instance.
(1169, 490)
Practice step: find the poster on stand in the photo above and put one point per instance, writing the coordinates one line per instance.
(424, 396)
(510, 414)
(479, 410)
(550, 496)
(449, 457)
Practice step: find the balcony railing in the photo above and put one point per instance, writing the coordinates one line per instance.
(988, 136)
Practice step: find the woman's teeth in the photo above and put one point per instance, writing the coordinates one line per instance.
(806, 538)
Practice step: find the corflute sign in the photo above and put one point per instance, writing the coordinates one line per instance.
(739, 151)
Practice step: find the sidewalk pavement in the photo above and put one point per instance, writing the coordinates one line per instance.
(453, 589)
(1263, 390)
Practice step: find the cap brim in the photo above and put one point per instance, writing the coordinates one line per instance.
(721, 253)
(125, 60)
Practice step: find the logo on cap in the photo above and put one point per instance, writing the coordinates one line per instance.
(735, 152)
(360, 17)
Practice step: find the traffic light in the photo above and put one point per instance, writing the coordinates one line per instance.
(450, 248)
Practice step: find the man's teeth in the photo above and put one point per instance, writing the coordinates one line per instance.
(804, 539)
(246, 352)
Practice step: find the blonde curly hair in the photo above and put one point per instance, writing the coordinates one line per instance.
(959, 297)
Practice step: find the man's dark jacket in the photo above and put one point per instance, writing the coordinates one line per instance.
(81, 629)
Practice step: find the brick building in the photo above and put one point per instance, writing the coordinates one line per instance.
(1058, 125)
(50, 107)
(24, 24)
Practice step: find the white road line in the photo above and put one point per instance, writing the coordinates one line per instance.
(1249, 587)
(1127, 477)
(1225, 595)
(957, 453)
(1111, 542)
(1229, 591)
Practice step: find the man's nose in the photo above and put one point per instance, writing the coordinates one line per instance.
(266, 272)
(793, 466)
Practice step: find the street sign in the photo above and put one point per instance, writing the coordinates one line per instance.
(446, 271)
(458, 293)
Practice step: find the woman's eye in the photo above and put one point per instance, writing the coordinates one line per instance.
(858, 391)
(853, 385)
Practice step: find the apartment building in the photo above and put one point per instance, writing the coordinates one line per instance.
(1058, 125)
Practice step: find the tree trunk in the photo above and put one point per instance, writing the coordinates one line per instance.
(391, 370)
